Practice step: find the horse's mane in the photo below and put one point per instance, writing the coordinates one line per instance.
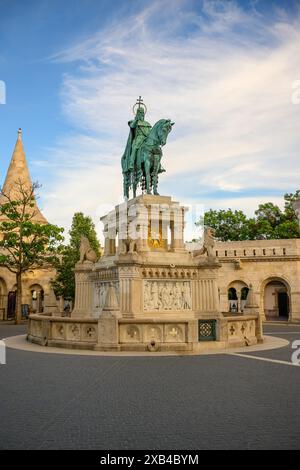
(157, 125)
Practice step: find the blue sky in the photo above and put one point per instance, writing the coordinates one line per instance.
(223, 71)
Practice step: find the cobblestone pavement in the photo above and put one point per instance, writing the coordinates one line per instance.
(51, 401)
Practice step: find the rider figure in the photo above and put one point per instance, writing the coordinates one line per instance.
(140, 130)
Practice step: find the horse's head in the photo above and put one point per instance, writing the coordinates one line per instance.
(163, 127)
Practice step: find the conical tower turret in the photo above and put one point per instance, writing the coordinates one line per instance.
(17, 173)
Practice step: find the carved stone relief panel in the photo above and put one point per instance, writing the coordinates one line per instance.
(167, 295)
(130, 333)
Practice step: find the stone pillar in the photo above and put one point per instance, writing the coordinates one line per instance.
(177, 229)
(110, 241)
(144, 222)
(224, 302)
(106, 244)
(83, 291)
(61, 304)
(112, 247)
(108, 329)
(239, 296)
(252, 308)
(142, 242)
(131, 294)
(294, 306)
(259, 329)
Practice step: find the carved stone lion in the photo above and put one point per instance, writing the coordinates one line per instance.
(86, 252)
(208, 244)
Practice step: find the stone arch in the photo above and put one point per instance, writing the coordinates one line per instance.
(237, 292)
(276, 298)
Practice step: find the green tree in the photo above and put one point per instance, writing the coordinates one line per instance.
(64, 283)
(83, 225)
(25, 243)
(269, 222)
(228, 224)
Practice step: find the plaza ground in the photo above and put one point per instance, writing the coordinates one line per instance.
(55, 401)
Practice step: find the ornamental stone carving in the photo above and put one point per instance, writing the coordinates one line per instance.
(59, 331)
(174, 334)
(100, 292)
(154, 332)
(133, 333)
(168, 295)
(89, 333)
(74, 332)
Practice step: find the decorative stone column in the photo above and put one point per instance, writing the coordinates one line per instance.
(142, 228)
(131, 285)
(177, 228)
(224, 302)
(109, 233)
(239, 299)
(252, 308)
(61, 305)
(84, 291)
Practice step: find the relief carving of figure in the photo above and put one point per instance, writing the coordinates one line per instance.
(154, 296)
(187, 295)
(178, 303)
(147, 296)
(167, 295)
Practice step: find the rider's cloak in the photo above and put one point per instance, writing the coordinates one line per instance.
(126, 155)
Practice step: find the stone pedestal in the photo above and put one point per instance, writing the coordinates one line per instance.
(147, 292)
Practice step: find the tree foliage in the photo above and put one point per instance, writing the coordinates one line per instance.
(269, 222)
(64, 283)
(25, 243)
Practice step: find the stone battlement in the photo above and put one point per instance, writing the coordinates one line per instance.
(258, 248)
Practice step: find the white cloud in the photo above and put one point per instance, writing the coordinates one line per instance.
(223, 75)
